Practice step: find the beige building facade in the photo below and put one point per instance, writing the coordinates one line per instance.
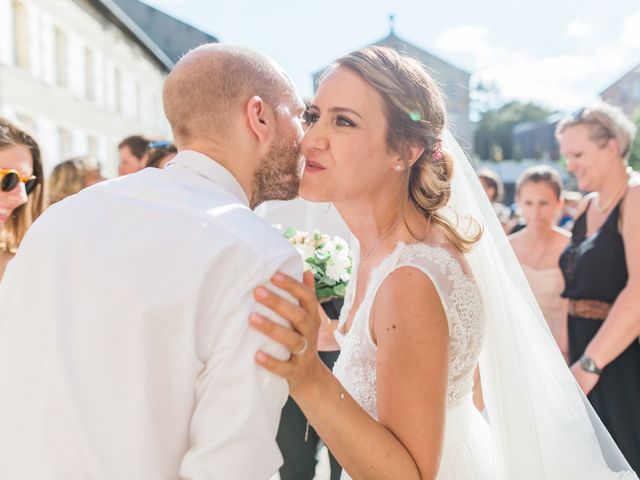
(81, 75)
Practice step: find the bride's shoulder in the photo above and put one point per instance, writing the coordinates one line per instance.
(441, 255)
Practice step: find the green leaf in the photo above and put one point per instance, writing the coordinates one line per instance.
(290, 232)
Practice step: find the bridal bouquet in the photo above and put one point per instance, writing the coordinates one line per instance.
(329, 259)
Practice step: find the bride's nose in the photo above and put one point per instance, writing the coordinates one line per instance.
(314, 139)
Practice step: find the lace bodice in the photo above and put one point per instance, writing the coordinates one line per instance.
(460, 296)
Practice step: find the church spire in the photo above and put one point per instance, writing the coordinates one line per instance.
(392, 23)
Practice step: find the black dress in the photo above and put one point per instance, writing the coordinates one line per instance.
(595, 268)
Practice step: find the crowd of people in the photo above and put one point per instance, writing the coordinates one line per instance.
(579, 253)
(26, 191)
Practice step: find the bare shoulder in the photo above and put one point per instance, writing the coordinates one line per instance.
(407, 300)
(633, 193)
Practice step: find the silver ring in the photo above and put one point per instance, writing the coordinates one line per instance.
(304, 347)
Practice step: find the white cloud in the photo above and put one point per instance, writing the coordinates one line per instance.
(631, 31)
(557, 81)
(577, 28)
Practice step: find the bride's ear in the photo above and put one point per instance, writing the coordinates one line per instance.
(410, 153)
(260, 118)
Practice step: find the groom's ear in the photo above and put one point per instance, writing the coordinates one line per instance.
(260, 118)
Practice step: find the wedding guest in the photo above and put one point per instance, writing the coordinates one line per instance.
(571, 200)
(21, 187)
(539, 244)
(135, 360)
(601, 268)
(71, 176)
(159, 153)
(132, 153)
(494, 189)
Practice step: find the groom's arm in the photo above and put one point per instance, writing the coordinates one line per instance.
(238, 403)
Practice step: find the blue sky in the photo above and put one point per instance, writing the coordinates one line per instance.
(558, 53)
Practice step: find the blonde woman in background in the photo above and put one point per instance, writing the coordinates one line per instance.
(601, 267)
(21, 191)
(538, 246)
(71, 176)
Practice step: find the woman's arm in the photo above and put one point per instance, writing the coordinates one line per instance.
(622, 325)
(412, 334)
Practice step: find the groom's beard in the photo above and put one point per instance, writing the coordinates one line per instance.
(279, 173)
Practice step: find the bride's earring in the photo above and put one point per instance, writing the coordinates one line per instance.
(398, 167)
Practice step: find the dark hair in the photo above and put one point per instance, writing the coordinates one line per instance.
(23, 216)
(541, 173)
(492, 180)
(137, 144)
(157, 151)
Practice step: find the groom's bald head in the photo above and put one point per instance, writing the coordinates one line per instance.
(212, 83)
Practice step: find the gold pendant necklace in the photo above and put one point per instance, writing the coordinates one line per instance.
(370, 251)
(602, 209)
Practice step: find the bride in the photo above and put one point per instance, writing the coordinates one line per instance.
(437, 291)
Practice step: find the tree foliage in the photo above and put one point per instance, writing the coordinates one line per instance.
(493, 136)
(634, 156)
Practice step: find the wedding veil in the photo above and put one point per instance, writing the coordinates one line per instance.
(542, 426)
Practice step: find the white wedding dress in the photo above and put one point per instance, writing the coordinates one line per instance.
(466, 453)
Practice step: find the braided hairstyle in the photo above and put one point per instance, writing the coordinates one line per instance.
(416, 115)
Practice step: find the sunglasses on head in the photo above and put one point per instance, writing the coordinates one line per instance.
(10, 178)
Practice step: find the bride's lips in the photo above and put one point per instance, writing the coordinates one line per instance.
(313, 167)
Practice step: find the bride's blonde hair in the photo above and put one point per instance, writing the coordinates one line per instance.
(416, 115)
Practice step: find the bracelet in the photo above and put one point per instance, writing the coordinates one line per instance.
(306, 430)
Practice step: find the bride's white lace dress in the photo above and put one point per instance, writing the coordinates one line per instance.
(466, 454)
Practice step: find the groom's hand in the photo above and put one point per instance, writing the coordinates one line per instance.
(302, 339)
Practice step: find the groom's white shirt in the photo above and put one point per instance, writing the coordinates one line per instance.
(125, 350)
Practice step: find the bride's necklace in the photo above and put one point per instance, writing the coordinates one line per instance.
(370, 251)
(605, 207)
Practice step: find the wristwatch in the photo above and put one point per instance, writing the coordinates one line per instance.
(588, 365)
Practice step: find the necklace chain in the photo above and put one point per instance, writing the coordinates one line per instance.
(370, 251)
(601, 209)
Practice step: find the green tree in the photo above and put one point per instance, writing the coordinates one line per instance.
(634, 155)
(495, 127)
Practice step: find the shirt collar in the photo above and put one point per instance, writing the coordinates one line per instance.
(207, 167)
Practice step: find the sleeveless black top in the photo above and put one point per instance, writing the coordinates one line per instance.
(595, 267)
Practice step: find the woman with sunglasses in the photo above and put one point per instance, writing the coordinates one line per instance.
(21, 192)
(601, 268)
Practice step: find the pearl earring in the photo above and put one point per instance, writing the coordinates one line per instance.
(398, 167)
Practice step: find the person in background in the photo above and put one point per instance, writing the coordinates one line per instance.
(160, 153)
(494, 189)
(71, 176)
(539, 244)
(21, 187)
(132, 152)
(601, 268)
(571, 202)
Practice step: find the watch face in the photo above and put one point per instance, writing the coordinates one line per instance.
(589, 365)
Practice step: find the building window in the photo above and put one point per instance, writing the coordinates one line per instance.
(118, 90)
(65, 142)
(93, 147)
(90, 73)
(61, 57)
(21, 34)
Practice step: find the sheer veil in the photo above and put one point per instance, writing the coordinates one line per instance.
(542, 426)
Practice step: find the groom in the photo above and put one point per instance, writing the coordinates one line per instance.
(125, 351)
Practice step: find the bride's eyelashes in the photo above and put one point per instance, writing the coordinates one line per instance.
(343, 121)
(310, 117)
